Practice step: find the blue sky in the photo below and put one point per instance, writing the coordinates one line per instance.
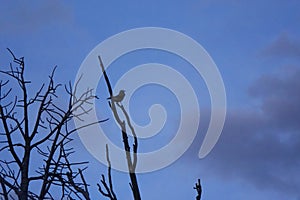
(256, 46)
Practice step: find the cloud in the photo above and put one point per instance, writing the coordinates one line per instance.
(280, 97)
(261, 146)
(285, 46)
(21, 17)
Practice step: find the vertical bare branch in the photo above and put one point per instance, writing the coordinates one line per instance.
(135, 140)
(108, 187)
(122, 124)
(198, 188)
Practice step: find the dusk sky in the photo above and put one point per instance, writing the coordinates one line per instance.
(256, 47)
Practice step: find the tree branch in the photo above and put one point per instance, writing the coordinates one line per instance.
(198, 188)
(108, 187)
(131, 164)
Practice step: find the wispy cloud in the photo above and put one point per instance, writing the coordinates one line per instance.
(19, 16)
(261, 145)
(285, 45)
(280, 97)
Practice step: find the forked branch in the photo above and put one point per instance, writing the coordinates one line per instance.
(131, 162)
(109, 190)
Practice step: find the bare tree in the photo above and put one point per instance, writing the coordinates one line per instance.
(34, 135)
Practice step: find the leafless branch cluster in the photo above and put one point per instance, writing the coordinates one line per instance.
(34, 136)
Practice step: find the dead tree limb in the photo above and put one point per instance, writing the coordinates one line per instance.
(198, 188)
(131, 162)
(109, 190)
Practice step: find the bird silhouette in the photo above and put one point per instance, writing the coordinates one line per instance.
(118, 98)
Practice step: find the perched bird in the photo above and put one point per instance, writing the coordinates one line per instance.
(119, 97)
